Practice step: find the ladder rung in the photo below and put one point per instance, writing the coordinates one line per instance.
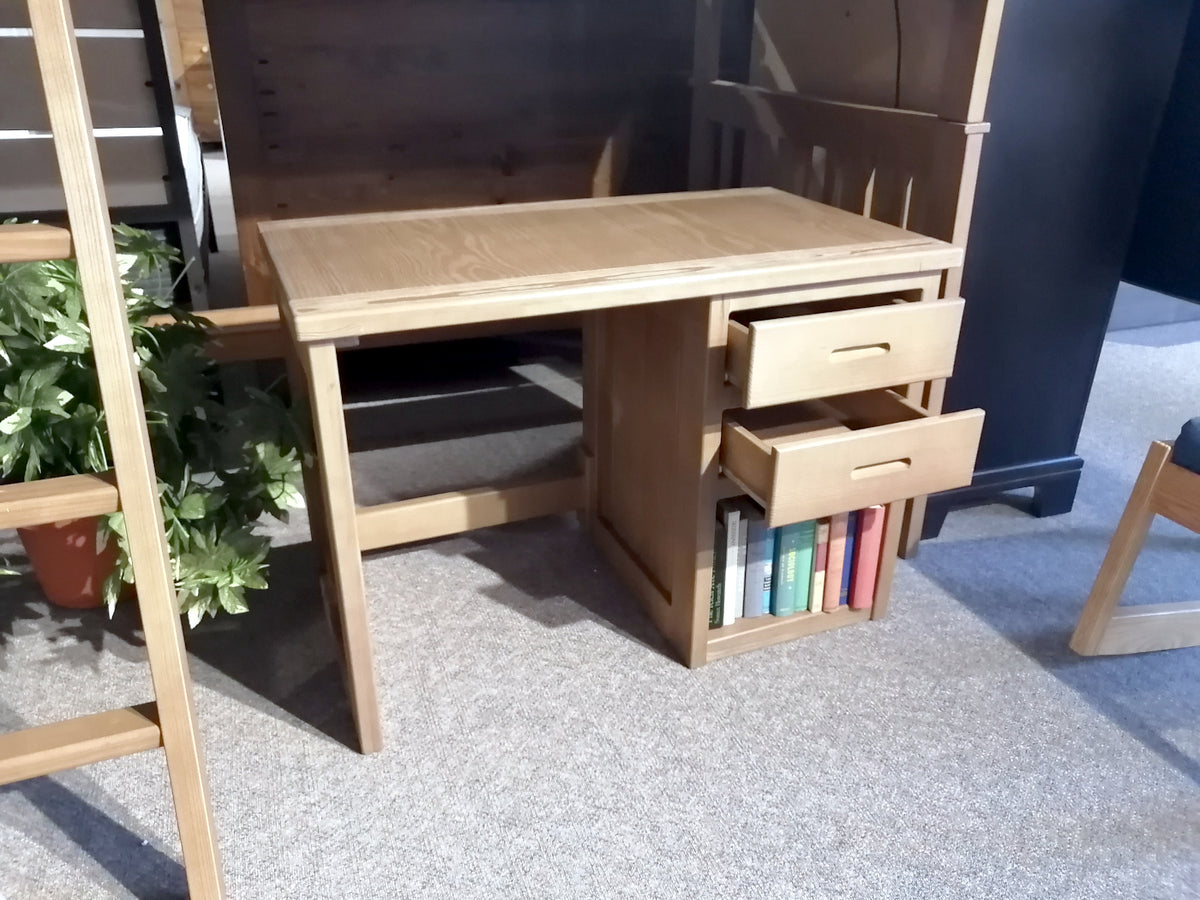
(46, 749)
(33, 242)
(56, 500)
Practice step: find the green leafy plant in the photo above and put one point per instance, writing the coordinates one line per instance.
(223, 463)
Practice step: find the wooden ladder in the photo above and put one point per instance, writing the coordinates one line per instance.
(170, 722)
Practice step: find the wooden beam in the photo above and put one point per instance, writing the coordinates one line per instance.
(31, 242)
(1158, 626)
(1177, 496)
(104, 298)
(762, 631)
(453, 512)
(47, 749)
(56, 500)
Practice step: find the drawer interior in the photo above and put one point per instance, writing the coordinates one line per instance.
(747, 317)
(783, 426)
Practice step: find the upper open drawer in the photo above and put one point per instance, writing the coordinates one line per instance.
(814, 459)
(780, 356)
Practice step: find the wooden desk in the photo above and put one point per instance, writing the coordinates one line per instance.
(695, 305)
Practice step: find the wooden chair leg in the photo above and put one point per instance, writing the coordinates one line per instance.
(1122, 553)
(348, 590)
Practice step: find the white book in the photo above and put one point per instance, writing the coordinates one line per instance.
(743, 553)
(735, 590)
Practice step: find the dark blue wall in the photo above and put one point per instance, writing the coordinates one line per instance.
(1164, 254)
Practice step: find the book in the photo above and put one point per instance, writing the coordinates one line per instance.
(804, 563)
(835, 561)
(730, 518)
(768, 581)
(850, 558)
(743, 547)
(716, 605)
(758, 562)
(783, 595)
(866, 565)
(816, 599)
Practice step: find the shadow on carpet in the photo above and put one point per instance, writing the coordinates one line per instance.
(1031, 589)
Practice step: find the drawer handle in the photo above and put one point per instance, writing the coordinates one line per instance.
(863, 351)
(884, 468)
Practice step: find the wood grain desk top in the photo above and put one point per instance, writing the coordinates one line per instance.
(380, 273)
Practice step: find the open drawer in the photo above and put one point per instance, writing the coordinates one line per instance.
(780, 356)
(813, 459)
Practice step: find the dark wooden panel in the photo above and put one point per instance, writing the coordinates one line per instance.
(366, 104)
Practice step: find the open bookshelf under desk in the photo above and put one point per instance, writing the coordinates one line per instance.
(673, 437)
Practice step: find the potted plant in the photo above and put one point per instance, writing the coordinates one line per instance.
(222, 461)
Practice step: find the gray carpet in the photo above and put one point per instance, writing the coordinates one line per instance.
(541, 743)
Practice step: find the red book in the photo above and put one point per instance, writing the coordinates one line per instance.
(835, 561)
(867, 548)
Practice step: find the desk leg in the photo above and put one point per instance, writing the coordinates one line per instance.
(339, 529)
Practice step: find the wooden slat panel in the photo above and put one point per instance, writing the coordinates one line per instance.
(846, 49)
(134, 171)
(118, 79)
(86, 13)
(78, 742)
(453, 512)
(920, 163)
(56, 500)
(32, 243)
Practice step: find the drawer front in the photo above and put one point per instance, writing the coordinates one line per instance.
(777, 361)
(797, 480)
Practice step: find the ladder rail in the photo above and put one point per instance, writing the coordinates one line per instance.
(95, 253)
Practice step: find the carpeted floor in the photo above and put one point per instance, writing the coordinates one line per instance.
(541, 743)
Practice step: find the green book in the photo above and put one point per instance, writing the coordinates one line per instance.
(805, 547)
(792, 568)
(783, 591)
(716, 600)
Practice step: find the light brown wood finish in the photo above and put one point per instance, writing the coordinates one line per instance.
(56, 500)
(763, 631)
(185, 37)
(341, 531)
(779, 360)
(32, 242)
(357, 275)
(91, 230)
(847, 50)
(885, 450)
(655, 369)
(422, 518)
(34, 752)
(1165, 489)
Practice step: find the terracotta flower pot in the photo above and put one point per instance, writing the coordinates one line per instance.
(66, 564)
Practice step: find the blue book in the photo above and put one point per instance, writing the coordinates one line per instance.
(768, 581)
(848, 566)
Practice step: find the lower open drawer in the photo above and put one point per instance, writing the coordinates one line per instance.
(813, 459)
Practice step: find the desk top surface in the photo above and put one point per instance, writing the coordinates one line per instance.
(377, 273)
